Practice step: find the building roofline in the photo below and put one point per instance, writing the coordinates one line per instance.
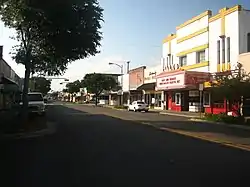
(206, 13)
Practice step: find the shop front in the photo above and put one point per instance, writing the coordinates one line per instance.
(180, 89)
(217, 103)
(136, 79)
(150, 96)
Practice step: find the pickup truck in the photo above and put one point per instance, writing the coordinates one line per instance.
(36, 103)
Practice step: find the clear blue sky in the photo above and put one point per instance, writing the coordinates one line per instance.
(133, 30)
(136, 28)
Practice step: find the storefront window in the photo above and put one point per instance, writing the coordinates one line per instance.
(158, 100)
(173, 97)
(177, 98)
(206, 99)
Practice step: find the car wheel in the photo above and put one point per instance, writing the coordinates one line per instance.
(135, 110)
(146, 110)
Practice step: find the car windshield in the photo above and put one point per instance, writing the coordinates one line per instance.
(35, 97)
(140, 102)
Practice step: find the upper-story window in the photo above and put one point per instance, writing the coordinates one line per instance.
(218, 52)
(183, 61)
(248, 42)
(223, 49)
(228, 49)
(200, 56)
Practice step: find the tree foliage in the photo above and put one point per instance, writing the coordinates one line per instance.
(73, 87)
(231, 85)
(52, 34)
(53, 38)
(97, 83)
(41, 84)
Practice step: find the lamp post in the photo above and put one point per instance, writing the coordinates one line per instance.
(121, 70)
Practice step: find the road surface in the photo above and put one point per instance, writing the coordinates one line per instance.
(91, 148)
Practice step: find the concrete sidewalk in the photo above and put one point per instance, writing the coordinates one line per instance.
(224, 134)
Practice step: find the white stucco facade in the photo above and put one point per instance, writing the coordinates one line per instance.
(232, 24)
(195, 46)
(150, 74)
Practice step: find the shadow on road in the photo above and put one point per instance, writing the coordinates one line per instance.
(91, 147)
(166, 121)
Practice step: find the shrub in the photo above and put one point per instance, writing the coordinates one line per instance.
(223, 117)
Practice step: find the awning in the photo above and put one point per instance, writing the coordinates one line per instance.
(5, 80)
(147, 86)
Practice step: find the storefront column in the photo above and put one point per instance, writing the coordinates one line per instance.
(162, 100)
(143, 95)
(110, 98)
(128, 100)
(170, 100)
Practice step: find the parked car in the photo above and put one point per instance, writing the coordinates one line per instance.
(138, 106)
(36, 103)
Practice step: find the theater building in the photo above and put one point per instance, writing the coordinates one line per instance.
(206, 44)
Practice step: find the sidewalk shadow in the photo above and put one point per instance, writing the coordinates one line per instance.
(203, 127)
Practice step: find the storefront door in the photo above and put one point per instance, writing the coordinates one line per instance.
(184, 101)
(165, 100)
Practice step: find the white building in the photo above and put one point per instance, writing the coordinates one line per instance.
(150, 96)
(204, 44)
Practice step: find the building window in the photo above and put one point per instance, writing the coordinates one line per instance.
(206, 99)
(223, 50)
(228, 49)
(200, 56)
(183, 61)
(172, 59)
(173, 97)
(248, 42)
(158, 100)
(166, 66)
(218, 52)
(178, 99)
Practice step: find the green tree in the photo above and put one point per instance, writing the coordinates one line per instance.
(40, 84)
(97, 83)
(231, 85)
(49, 40)
(73, 87)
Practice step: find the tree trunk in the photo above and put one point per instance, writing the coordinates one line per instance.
(96, 101)
(25, 92)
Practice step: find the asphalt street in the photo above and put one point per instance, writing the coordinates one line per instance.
(91, 148)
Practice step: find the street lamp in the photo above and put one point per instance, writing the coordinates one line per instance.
(121, 67)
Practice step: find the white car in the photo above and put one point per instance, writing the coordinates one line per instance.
(138, 106)
(36, 103)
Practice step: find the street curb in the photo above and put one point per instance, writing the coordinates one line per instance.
(180, 115)
(220, 123)
(51, 129)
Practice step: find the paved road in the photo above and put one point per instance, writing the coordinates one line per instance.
(93, 149)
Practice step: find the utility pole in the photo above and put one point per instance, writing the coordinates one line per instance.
(239, 65)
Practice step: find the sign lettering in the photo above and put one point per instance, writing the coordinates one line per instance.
(167, 81)
(170, 81)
